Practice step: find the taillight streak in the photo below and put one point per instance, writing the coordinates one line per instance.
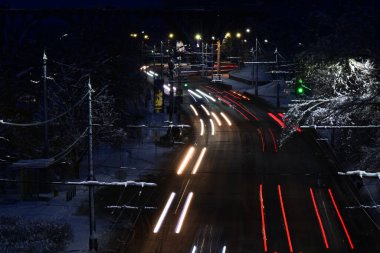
(341, 219)
(319, 219)
(263, 219)
(285, 220)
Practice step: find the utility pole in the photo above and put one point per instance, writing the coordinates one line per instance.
(257, 71)
(162, 61)
(203, 61)
(93, 241)
(212, 61)
(218, 56)
(171, 82)
(253, 67)
(46, 140)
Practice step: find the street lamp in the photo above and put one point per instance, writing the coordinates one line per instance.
(133, 35)
(266, 41)
(247, 30)
(213, 37)
(238, 35)
(146, 37)
(228, 35)
(171, 35)
(198, 37)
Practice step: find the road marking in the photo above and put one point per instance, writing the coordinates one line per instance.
(164, 212)
(186, 160)
(180, 199)
(341, 219)
(263, 219)
(199, 160)
(285, 221)
(183, 213)
(319, 219)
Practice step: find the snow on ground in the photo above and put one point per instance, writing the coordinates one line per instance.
(135, 159)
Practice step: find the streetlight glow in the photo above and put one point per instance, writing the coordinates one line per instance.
(198, 36)
(213, 37)
(146, 37)
(238, 35)
(247, 30)
(171, 36)
(228, 35)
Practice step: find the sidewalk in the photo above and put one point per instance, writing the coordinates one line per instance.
(267, 92)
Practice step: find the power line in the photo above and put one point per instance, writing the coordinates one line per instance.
(47, 121)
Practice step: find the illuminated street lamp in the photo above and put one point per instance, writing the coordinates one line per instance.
(247, 30)
(171, 35)
(238, 35)
(198, 36)
(133, 35)
(146, 37)
(213, 37)
(266, 41)
(228, 35)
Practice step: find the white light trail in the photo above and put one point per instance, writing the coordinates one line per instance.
(194, 110)
(226, 119)
(202, 127)
(205, 109)
(164, 212)
(206, 95)
(186, 160)
(194, 93)
(183, 213)
(216, 118)
(224, 249)
(194, 249)
(212, 127)
(198, 163)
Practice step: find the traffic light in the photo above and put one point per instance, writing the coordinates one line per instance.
(300, 88)
(186, 85)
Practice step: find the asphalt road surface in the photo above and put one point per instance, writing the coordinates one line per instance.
(247, 194)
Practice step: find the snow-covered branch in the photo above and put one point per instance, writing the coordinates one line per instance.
(131, 207)
(340, 127)
(360, 173)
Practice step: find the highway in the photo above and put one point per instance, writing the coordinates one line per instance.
(232, 189)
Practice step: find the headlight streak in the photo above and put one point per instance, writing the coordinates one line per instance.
(217, 119)
(226, 119)
(183, 213)
(224, 249)
(202, 127)
(186, 160)
(164, 212)
(194, 93)
(194, 249)
(198, 163)
(206, 95)
(242, 107)
(212, 127)
(194, 110)
(205, 109)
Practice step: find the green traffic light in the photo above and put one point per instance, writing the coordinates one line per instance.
(186, 84)
(300, 90)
